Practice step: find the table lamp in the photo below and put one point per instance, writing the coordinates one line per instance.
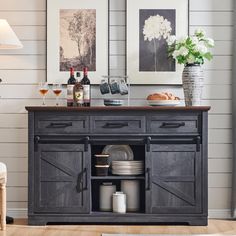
(8, 40)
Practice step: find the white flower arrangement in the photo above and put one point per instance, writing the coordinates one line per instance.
(191, 49)
(155, 28)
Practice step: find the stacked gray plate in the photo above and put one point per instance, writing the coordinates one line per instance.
(127, 167)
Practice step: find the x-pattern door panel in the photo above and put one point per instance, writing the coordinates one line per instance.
(62, 179)
(175, 179)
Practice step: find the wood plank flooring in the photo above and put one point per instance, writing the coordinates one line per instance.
(20, 228)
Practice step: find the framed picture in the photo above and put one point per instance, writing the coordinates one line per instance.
(77, 36)
(149, 24)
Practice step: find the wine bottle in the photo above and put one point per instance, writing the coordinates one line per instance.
(70, 88)
(78, 94)
(87, 88)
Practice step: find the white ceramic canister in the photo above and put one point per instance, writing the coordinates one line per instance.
(119, 202)
(106, 191)
(132, 190)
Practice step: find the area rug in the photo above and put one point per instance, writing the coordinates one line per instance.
(162, 234)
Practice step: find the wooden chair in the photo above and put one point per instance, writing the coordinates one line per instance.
(3, 181)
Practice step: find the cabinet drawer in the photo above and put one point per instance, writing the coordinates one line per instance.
(61, 124)
(118, 124)
(172, 124)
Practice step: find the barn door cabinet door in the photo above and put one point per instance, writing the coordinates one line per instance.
(173, 179)
(62, 179)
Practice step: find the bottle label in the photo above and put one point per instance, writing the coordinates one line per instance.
(79, 97)
(86, 92)
(70, 88)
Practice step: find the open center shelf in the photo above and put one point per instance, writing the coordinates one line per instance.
(116, 180)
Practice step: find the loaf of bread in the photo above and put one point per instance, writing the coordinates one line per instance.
(162, 96)
(157, 96)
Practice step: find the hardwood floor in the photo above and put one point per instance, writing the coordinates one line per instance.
(20, 228)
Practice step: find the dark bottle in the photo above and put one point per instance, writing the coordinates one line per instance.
(86, 87)
(70, 88)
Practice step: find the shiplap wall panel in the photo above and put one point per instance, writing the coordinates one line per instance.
(224, 180)
(117, 48)
(24, 17)
(220, 151)
(20, 77)
(220, 136)
(13, 135)
(211, 5)
(23, 5)
(31, 62)
(24, 69)
(21, 179)
(220, 165)
(218, 106)
(218, 77)
(30, 48)
(117, 5)
(223, 48)
(13, 121)
(16, 164)
(219, 63)
(17, 205)
(220, 121)
(15, 150)
(30, 32)
(117, 33)
(20, 195)
(216, 32)
(219, 197)
(215, 18)
(117, 18)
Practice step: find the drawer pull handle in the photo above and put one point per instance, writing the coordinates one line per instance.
(80, 181)
(86, 178)
(198, 142)
(60, 125)
(36, 140)
(172, 125)
(115, 125)
(149, 139)
(79, 185)
(148, 179)
(86, 144)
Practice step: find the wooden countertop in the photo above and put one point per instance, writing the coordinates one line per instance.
(118, 108)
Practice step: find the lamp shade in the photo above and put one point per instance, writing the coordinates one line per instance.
(8, 39)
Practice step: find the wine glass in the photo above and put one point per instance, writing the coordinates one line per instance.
(57, 89)
(43, 90)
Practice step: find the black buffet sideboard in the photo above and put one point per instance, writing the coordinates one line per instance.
(172, 142)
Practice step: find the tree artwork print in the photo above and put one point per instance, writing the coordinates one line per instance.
(155, 26)
(77, 39)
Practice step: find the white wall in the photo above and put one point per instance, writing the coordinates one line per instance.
(23, 69)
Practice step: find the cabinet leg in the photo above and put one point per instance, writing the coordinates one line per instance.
(35, 222)
(199, 222)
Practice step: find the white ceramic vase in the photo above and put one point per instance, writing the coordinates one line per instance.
(119, 202)
(132, 190)
(193, 84)
(105, 196)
